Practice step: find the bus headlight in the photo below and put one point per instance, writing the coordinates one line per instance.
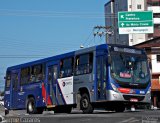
(149, 91)
(114, 87)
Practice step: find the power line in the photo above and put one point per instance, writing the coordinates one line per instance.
(38, 47)
(91, 41)
(100, 31)
(51, 12)
(6, 12)
(22, 42)
(83, 44)
(19, 57)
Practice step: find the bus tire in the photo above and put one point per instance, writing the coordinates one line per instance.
(120, 108)
(85, 104)
(40, 110)
(6, 111)
(31, 106)
(68, 110)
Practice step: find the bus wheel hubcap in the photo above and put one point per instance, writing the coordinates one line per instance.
(30, 107)
(85, 103)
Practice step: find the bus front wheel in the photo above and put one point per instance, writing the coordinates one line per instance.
(120, 108)
(85, 104)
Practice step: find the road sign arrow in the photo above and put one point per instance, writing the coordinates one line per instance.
(122, 16)
(122, 24)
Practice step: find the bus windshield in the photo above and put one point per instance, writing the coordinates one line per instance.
(130, 68)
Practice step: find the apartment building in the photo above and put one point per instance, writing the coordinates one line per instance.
(131, 5)
(154, 5)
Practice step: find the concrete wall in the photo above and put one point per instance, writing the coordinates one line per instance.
(155, 64)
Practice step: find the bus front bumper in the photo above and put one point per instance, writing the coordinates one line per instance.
(132, 98)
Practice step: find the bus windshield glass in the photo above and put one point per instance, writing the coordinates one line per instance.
(129, 68)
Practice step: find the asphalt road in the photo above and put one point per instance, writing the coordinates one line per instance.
(99, 116)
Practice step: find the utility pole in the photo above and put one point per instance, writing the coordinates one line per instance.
(103, 31)
(113, 20)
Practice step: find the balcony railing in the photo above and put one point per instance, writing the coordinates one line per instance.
(155, 9)
(156, 33)
(156, 20)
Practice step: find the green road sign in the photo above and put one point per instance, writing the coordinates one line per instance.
(135, 22)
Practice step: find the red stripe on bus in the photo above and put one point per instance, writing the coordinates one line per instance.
(45, 95)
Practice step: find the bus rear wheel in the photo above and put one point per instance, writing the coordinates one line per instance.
(31, 107)
(68, 110)
(85, 104)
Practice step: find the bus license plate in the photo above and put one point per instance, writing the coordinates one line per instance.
(133, 100)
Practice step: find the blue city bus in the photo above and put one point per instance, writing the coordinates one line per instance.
(104, 76)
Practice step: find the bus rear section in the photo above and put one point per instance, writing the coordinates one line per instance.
(23, 88)
(38, 85)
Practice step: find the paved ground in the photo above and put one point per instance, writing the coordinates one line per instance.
(99, 116)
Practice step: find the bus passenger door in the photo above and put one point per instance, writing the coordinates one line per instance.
(52, 75)
(14, 88)
(101, 71)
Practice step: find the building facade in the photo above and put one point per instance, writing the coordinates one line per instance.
(154, 5)
(131, 5)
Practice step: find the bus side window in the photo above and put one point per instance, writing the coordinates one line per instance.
(90, 62)
(66, 67)
(36, 73)
(84, 64)
(15, 81)
(25, 75)
(8, 79)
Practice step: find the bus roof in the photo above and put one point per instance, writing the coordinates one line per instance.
(56, 57)
(61, 56)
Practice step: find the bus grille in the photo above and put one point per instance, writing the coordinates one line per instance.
(129, 97)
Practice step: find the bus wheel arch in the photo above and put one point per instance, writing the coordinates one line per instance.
(84, 101)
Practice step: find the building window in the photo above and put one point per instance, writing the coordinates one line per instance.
(138, 6)
(25, 75)
(130, 6)
(153, 3)
(66, 67)
(84, 64)
(36, 73)
(156, 15)
(158, 58)
(157, 26)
